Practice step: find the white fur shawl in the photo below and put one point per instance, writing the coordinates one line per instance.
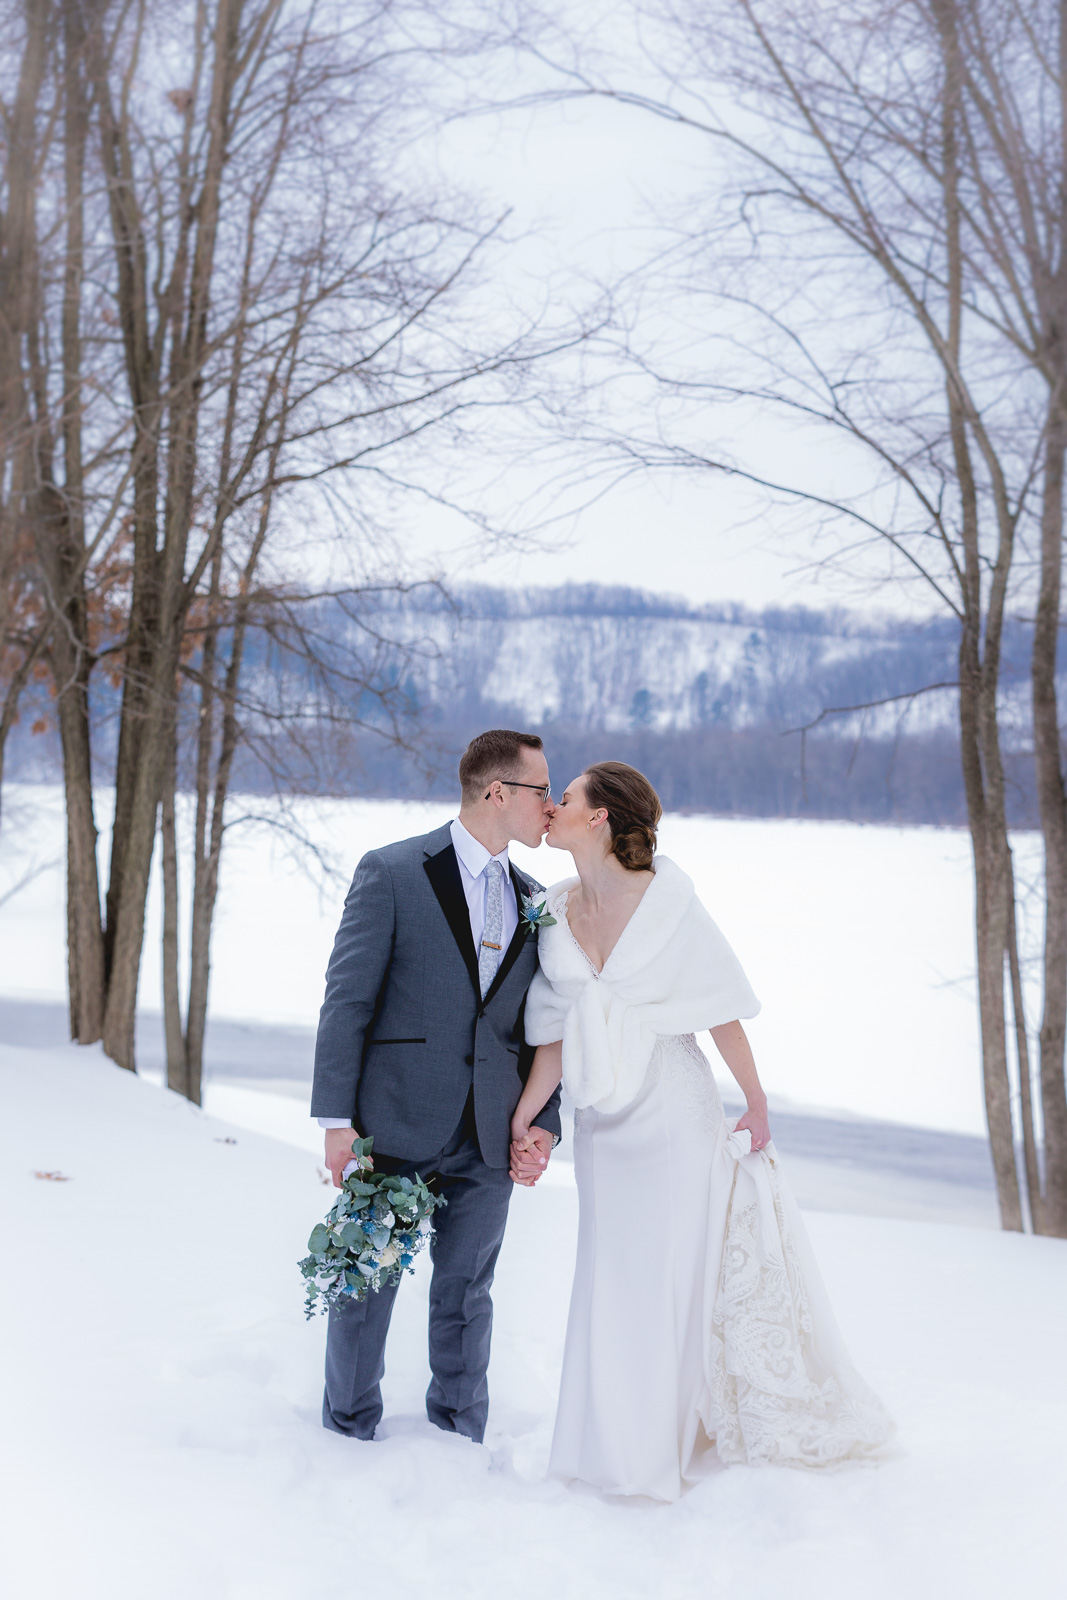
(671, 972)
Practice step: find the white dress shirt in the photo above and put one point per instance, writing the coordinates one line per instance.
(473, 859)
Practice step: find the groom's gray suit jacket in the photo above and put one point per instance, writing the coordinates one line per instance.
(404, 1033)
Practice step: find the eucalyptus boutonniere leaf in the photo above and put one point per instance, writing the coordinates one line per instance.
(534, 915)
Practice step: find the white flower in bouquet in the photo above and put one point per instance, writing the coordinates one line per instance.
(375, 1229)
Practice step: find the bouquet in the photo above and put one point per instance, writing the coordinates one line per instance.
(373, 1232)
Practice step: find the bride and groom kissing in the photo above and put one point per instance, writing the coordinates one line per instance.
(699, 1330)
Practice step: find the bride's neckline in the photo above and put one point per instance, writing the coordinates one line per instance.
(562, 907)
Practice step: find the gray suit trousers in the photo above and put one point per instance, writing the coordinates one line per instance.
(469, 1233)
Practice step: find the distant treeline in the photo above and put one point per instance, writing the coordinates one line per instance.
(707, 700)
(752, 772)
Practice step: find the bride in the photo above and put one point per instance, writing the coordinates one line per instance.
(699, 1328)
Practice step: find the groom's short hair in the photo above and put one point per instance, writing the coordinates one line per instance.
(493, 755)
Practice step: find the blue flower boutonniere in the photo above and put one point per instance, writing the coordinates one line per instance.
(534, 915)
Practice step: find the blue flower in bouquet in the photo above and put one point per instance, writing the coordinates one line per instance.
(375, 1229)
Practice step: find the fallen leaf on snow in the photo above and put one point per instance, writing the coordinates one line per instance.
(53, 1177)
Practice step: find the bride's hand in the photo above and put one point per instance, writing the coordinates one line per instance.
(520, 1167)
(521, 1143)
(755, 1120)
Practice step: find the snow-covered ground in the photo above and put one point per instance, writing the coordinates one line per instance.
(161, 1432)
(858, 940)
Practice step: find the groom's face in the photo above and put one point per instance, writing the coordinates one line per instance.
(527, 814)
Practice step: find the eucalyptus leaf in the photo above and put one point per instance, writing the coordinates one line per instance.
(370, 1214)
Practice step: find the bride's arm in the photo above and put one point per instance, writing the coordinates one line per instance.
(731, 1041)
(545, 1074)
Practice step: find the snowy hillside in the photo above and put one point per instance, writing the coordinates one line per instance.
(618, 659)
(708, 699)
(162, 1436)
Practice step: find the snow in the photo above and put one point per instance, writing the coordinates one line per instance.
(162, 1433)
(858, 940)
(162, 1424)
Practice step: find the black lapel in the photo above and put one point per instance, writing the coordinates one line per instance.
(443, 873)
(518, 938)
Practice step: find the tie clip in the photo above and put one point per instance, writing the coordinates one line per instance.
(486, 945)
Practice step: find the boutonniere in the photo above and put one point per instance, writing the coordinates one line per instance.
(534, 915)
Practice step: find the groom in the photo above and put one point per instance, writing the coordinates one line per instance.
(421, 1044)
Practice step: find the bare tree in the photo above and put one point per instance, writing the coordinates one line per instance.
(881, 253)
(44, 490)
(231, 311)
(1012, 67)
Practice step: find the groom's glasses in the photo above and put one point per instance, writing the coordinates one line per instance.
(543, 789)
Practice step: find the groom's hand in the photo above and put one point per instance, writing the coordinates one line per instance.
(339, 1143)
(530, 1156)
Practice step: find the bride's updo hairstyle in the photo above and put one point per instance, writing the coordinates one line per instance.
(633, 810)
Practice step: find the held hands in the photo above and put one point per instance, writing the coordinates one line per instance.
(530, 1150)
(339, 1152)
(755, 1120)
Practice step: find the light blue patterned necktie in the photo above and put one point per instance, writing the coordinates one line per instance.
(492, 938)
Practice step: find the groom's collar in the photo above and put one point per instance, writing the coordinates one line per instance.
(472, 853)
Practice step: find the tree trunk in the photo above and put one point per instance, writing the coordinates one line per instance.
(85, 944)
(177, 1063)
(1053, 809)
(70, 649)
(161, 597)
(202, 911)
(983, 774)
(991, 938)
(53, 515)
(996, 913)
(1031, 1165)
(207, 868)
(127, 930)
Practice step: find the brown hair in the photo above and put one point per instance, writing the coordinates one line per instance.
(493, 755)
(633, 810)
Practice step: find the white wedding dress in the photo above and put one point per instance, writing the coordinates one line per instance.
(699, 1327)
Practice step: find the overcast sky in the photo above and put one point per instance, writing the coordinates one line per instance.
(581, 180)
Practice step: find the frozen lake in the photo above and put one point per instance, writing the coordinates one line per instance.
(857, 940)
